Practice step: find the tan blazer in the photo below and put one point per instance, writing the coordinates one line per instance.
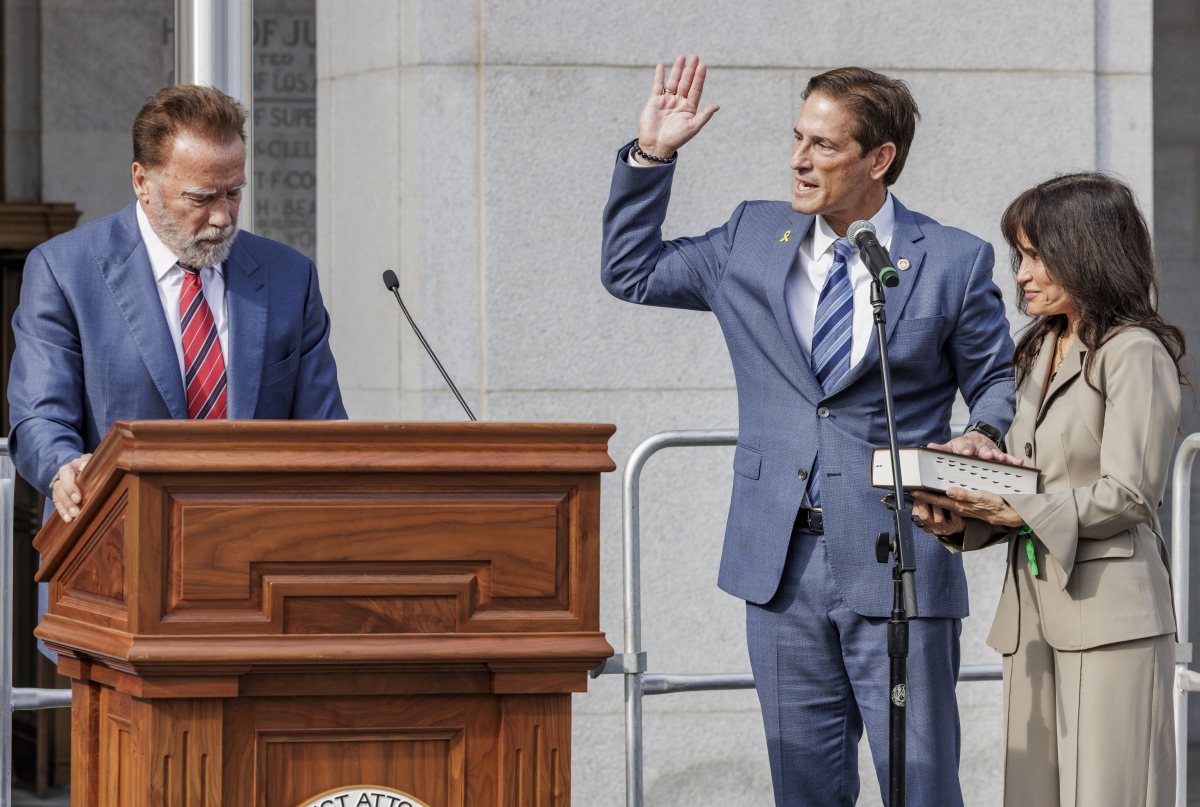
(1103, 457)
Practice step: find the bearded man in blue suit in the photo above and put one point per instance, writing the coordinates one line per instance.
(164, 310)
(793, 299)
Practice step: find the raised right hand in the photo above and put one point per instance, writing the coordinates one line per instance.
(673, 115)
(68, 498)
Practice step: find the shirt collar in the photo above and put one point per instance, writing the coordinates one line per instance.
(884, 221)
(162, 259)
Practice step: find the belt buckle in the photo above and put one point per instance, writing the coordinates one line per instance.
(816, 520)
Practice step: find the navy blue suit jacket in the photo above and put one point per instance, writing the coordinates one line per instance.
(93, 347)
(947, 330)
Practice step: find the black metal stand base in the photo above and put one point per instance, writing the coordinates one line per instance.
(898, 711)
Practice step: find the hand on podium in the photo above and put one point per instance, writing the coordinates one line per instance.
(68, 498)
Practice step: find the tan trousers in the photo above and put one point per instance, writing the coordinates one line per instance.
(1086, 729)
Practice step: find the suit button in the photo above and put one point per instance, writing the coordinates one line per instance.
(1029, 451)
(803, 474)
(822, 412)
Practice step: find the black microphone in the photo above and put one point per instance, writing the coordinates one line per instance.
(393, 283)
(862, 235)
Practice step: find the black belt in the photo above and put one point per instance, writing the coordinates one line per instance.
(812, 520)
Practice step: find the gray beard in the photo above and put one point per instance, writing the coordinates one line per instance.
(206, 248)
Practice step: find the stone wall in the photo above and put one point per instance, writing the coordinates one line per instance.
(100, 61)
(22, 102)
(468, 145)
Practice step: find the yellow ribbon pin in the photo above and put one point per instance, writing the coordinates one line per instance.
(786, 235)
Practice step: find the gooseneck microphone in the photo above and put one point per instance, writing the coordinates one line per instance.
(393, 283)
(862, 235)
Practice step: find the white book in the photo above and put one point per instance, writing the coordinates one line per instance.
(931, 469)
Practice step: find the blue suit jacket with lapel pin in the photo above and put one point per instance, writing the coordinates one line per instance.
(93, 347)
(947, 331)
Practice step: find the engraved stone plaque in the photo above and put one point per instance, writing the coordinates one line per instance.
(285, 122)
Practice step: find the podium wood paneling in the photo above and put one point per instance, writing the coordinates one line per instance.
(254, 613)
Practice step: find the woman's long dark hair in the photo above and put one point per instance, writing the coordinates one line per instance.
(1091, 236)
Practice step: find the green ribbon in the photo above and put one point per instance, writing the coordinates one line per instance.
(1026, 530)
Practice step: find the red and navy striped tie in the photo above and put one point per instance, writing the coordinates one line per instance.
(204, 374)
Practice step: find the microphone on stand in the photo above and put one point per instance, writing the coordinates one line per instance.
(393, 283)
(862, 235)
(899, 544)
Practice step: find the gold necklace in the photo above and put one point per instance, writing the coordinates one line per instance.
(1062, 354)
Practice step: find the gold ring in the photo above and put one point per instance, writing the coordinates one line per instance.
(665, 90)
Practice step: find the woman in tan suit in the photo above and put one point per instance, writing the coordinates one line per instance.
(1085, 621)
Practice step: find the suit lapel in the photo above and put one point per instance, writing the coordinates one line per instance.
(246, 295)
(1034, 383)
(1025, 420)
(778, 266)
(906, 236)
(130, 280)
(1072, 365)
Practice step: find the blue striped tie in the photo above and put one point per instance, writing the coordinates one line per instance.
(831, 337)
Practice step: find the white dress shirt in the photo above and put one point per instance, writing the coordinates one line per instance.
(168, 277)
(814, 259)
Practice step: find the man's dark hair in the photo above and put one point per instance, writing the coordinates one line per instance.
(883, 108)
(203, 111)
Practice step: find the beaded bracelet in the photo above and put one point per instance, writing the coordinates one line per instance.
(637, 149)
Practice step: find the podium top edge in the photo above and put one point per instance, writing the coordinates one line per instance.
(308, 446)
(350, 430)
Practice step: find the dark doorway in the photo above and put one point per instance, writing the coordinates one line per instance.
(41, 758)
(1177, 238)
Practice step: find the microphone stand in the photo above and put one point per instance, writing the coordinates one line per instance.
(393, 284)
(904, 593)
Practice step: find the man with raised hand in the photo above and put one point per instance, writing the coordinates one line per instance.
(792, 296)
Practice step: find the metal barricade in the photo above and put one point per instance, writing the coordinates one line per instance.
(11, 699)
(1185, 680)
(632, 662)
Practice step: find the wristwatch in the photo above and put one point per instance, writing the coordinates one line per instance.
(990, 432)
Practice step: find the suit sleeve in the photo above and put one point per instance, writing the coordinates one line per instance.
(45, 387)
(982, 349)
(318, 396)
(637, 265)
(1141, 416)
(977, 535)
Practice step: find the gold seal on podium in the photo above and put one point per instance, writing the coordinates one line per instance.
(363, 796)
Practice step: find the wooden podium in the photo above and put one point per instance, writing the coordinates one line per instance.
(253, 613)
